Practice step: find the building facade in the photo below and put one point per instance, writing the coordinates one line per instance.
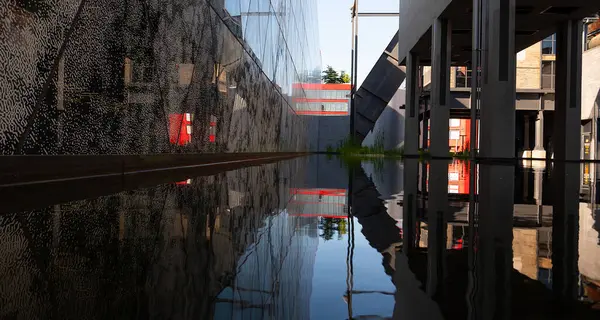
(141, 77)
(326, 109)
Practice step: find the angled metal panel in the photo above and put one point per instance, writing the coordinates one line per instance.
(378, 89)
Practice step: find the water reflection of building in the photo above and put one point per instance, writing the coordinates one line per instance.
(165, 251)
(273, 278)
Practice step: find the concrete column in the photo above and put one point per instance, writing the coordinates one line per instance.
(436, 227)
(567, 124)
(565, 231)
(411, 116)
(498, 87)
(497, 140)
(538, 151)
(440, 88)
(526, 138)
(409, 206)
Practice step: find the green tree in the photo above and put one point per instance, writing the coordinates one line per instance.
(330, 75)
(344, 77)
(331, 226)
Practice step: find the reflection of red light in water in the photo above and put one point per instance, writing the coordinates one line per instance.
(458, 245)
(212, 131)
(320, 192)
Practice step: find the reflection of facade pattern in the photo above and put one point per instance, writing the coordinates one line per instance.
(142, 253)
(317, 202)
(118, 77)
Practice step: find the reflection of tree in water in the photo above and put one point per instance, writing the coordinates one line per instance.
(331, 226)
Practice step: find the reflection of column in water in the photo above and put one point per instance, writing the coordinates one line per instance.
(436, 225)
(494, 261)
(409, 204)
(471, 287)
(565, 228)
(538, 175)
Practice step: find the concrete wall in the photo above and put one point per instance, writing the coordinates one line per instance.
(389, 127)
(529, 67)
(327, 131)
(104, 77)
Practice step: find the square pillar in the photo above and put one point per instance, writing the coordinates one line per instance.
(497, 140)
(567, 124)
(498, 85)
(411, 114)
(440, 88)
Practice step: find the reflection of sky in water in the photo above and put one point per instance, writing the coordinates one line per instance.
(329, 280)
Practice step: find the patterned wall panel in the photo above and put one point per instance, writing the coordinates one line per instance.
(154, 76)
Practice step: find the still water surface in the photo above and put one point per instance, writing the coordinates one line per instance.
(277, 242)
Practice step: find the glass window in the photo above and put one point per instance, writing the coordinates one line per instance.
(548, 74)
(463, 77)
(549, 45)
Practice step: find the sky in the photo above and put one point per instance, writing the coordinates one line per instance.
(335, 33)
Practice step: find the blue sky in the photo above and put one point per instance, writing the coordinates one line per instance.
(335, 32)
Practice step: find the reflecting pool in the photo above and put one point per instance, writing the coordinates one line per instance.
(309, 238)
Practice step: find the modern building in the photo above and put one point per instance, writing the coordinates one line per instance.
(326, 110)
(535, 71)
(122, 77)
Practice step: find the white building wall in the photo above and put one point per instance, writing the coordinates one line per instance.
(590, 84)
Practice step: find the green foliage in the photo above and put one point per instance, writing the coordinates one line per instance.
(331, 226)
(344, 77)
(332, 76)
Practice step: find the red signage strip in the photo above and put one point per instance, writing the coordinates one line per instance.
(320, 100)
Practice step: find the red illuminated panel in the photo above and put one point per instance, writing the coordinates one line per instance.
(180, 128)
